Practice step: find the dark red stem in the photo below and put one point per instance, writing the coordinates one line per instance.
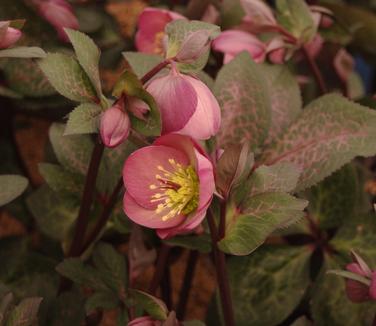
(315, 70)
(160, 267)
(154, 71)
(87, 199)
(222, 277)
(187, 283)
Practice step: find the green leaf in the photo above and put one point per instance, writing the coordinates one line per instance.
(243, 95)
(286, 101)
(357, 233)
(12, 186)
(101, 299)
(54, 216)
(88, 56)
(75, 270)
(202, 243)
(335, 199)
(68, 77)
(25, 77)
(60, 180)
(178, 30)
(329, 133)
(25, 314)
(295, 16)
(73, 151)
(330, 305)
(84, 119)
(258, 218)
(111, 266)
(141, 63)
(269, 284)
(154, 307)
(23, 52)
(280, 177)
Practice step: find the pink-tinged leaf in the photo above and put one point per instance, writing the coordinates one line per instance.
(329, 133)
(285, 98)
(243, 95)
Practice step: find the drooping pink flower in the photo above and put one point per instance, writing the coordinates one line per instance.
(315, 46)
(355, 290)
(144, 321)
(10, 36)
(232, 42)
(323, 17)
(151, 25)
(114, 125)
(59, 14)
(187, 105)
(169, 185)
(276, 51)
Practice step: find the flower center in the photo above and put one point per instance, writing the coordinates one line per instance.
(178, 191)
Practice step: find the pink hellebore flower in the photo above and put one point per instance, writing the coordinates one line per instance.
(9, 37)
(276, 51)
(151, 25)
(232, 42)
(187, 105)
(169, 185)
(356, 291)
(114, 125)
(59, 14)
(144, 321)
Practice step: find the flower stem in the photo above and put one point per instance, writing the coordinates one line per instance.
(106, 213)
(222, 278)
(186, 286)
(159, 268)
(315, 70)
(87, 199)
(154, 71)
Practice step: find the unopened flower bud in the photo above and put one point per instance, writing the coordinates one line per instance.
(114, 126)
(10, 36)
(276, 51)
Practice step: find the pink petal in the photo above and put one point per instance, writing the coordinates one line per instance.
(148, 217)
(356, 268)
(356, 292)
(233, 42)
(372, 288)
(206, 176)
(141, 168)
(258, 12)
(176, 99)
(206, 120)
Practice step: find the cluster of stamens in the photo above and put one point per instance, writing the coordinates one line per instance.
(178, 190)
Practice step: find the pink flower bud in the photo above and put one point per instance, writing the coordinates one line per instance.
(114, 126)
(315, 46)
(151, 25)
(195, 45)
(59, 14)
(323, 17)
(356, 291)
(11, 36)
(232, 42)
(186, 104)
(211, 15)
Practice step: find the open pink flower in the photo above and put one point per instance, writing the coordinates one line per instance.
(187, 105)
(232, 42)
(144, 321)
(10, 36)
(59, 14)
(151, 25)
(169, 185)
(114, 125)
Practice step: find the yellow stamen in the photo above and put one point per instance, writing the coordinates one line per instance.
(179, 190)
